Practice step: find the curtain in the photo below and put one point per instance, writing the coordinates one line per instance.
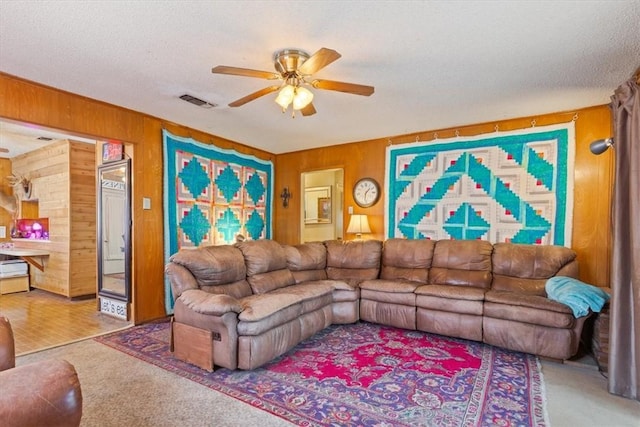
(624, 345)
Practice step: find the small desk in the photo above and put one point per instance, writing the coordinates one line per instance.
(27, 255)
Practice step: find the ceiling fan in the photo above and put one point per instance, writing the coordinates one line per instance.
(294, 69)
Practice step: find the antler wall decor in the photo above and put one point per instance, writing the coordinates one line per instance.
(22, 189)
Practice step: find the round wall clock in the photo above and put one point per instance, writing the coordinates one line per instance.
(366, 192)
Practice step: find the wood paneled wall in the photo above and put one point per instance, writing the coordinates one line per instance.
(592, 191)
(28, 102)
(5, 217)
(63, 177)
(82, 219)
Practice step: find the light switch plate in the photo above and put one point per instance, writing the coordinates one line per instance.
(146, 203)
(350, 210)
(3, 232)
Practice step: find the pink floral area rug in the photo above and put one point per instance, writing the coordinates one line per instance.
(371, 375)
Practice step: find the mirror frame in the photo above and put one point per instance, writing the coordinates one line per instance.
(322, 200)
(127, 231)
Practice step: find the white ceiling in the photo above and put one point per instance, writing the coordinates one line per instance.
(434, 64)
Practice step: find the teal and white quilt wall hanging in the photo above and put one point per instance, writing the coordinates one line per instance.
(502, 187)
(211, 195)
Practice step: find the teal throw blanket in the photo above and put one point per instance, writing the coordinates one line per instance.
(576, 294)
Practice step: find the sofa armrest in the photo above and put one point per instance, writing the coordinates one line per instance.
(181, 279)
(211, 304)
(41, 393)
(7, 348)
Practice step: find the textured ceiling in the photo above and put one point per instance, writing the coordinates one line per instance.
(433, 64)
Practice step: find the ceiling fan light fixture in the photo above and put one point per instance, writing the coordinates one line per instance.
(285, 96)
(302, 98)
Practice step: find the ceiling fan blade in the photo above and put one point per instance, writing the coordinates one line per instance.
(343, 87)
(245, 72)
(309, 110)
(254, 95)
(318, 61)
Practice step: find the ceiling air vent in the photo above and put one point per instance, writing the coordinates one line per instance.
(197, 101)
(44, 138)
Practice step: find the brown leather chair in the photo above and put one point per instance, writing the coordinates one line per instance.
(38, 394)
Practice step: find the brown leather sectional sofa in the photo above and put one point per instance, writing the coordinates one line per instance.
(255, 300)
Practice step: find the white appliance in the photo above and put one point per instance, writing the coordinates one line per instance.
(13, 268)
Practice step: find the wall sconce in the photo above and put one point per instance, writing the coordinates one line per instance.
(285, 196)
(358, 224)
(601, 145)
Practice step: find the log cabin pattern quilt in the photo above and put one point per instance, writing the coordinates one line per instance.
(211, 195)
(503, 187)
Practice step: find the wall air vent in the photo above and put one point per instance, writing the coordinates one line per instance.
(197, 101)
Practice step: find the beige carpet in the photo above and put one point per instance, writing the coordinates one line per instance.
(121, 390)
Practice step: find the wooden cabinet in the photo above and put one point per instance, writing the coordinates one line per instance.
(63, 177)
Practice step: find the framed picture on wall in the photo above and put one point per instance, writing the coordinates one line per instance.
(112, 151)
(324, 209)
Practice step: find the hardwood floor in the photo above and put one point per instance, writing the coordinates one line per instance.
(41, 319)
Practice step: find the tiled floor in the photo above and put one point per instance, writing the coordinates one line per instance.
(40, 319)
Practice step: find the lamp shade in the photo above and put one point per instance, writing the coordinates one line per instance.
(285, 96)
(302, 98)
(358, 224)
(600, 146)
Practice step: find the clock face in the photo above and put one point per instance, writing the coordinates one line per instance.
(366, 192)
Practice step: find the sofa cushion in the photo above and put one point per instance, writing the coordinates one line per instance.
(270, 281)
(389, 291)
(266, 264)
(257, 307)
(353, 261)
(213, 265)
(391, 286)
(452, 292)
(452, 299)
(525, 308)
(461, 263)
(307, 261)
(407, 299)
(267, 311)
(407, 259)
(526, 268)
(262, 256)
(237, 289)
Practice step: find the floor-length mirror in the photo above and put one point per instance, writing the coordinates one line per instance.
(322, 205)
(114, 241)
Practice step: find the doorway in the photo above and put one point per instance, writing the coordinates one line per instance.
(323, 204)
(42, 318)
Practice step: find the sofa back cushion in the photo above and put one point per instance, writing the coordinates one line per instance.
(266, 265)
(217, 269)
(407, 259)
(526, 268)
(307, 261)
(353, 261)
(461, 262)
